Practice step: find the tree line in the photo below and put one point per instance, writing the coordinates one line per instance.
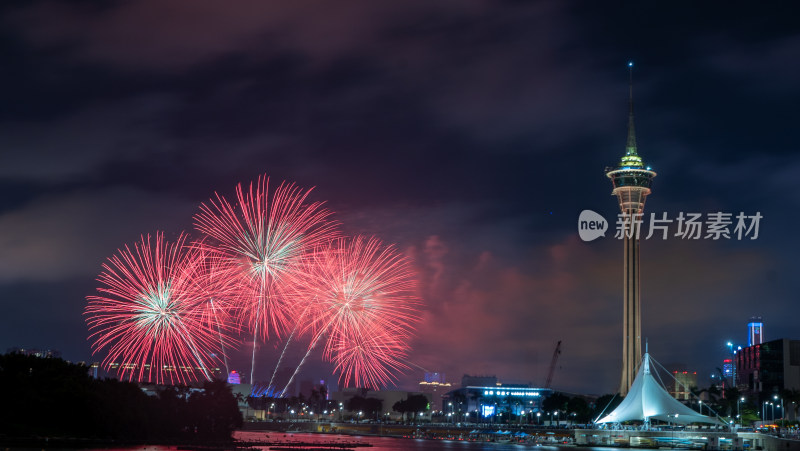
(47, 397)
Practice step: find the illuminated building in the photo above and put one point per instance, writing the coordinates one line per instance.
(234, 377)
(727, 367)
(766, 369)
(481, 402)
(435, 377)
(631, 180)
(755, 331)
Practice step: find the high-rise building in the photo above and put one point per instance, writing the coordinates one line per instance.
(767, 369)
(631, 180)
(680, 386)
(755, 331)
(727, 368)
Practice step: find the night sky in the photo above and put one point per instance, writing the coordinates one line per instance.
(470, 133)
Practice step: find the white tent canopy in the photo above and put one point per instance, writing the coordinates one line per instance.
(647, 400)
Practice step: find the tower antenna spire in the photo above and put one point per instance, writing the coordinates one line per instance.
(630, 148)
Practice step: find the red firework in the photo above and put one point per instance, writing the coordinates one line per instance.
(150, 316)
(263, 241)
(206, 276)
(364, 301)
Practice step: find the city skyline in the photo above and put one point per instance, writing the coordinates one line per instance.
(471, 135)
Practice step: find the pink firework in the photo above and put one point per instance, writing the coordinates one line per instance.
(263, 241)
(206, 277)
(155, 325)
(364, 302)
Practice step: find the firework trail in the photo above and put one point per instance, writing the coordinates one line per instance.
(263, 242)
(285, 347)
(366, 306)
(153, 324)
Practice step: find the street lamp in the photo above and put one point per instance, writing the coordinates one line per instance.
(738, 408)
(775, 397)
(700, 403)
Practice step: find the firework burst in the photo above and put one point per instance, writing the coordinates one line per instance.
(263, 242)
(365, 309)
(155, 325)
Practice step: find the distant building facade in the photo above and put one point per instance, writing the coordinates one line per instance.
(727, 368)
(435, 377)
(681, 385)
(764, 370)
(234, 377)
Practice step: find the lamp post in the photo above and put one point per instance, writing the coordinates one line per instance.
(538, 418)
(739, 410)
(700, 403)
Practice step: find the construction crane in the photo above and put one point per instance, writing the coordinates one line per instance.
(553, 365)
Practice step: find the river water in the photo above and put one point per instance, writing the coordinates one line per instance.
(390, 443)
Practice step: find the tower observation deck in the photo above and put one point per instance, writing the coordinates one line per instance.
(631, 180)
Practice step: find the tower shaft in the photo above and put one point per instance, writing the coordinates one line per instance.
(631, 180)
(632, 305)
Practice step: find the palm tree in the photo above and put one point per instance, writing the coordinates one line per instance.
(791, 401)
